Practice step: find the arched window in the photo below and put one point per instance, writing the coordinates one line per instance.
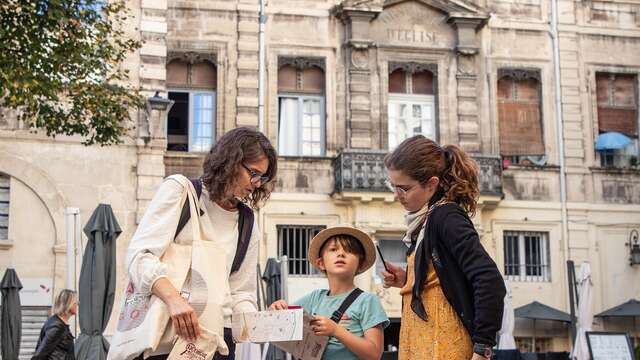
(301, 101)
(411, 109)
(519, 118)
(192, 85)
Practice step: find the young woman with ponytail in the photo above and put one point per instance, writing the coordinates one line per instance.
(452, 291)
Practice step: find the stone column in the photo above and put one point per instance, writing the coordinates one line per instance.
(360, 130)
(466, 79)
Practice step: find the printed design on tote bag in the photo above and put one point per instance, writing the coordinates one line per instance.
(134, 309)
(199, 292)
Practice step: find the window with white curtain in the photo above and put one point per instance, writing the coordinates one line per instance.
(411, 108)
(301, 107)
(191, 120)
(192, 124)
(410, 115)
(526, 256)
(301, 126)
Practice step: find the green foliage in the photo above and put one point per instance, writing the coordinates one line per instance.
(60, 67)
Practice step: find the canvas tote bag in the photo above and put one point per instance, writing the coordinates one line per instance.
(144, 319)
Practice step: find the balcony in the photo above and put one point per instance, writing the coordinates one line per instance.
(362, 171)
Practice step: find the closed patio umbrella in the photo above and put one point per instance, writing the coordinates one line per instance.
(11, 315)
(506, 340)
(585, 315)
(97, 283)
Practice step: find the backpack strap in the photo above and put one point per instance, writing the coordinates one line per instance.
(245, 228)
(245, 225)
(185, 215)
(337, 315)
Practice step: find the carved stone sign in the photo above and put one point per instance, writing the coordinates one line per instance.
(412, 24)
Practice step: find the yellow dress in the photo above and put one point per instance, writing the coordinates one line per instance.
(442, 336)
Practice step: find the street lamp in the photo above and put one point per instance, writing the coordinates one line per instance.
(634, 248)
(156, 102)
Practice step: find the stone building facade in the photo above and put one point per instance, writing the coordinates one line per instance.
(345, 81)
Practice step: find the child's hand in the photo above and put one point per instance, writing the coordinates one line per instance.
(279, 305)
(323, 326)
(396, 277)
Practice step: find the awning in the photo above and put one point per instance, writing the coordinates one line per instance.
(612, 141)
(630, 308)
(538, 311)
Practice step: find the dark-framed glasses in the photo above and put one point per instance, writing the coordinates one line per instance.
(256, 178)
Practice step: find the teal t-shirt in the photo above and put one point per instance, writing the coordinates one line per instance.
(363, 314)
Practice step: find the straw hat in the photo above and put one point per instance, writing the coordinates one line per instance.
(326, 234)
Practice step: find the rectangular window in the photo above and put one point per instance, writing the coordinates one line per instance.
(4, 207)
(411, 115)
(301, 125)
(617, 98)
(191, 123)
(293, 241)
(526, 256)
(394, 251)
(519, 116)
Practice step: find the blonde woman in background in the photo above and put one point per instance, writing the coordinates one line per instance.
(56, 341)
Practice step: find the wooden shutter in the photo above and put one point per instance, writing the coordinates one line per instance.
(178, 74)
(287, 78)
(397, 82)
(203, 75)
(519, 116)
(313, 80)
(422, 83)
(617, 106)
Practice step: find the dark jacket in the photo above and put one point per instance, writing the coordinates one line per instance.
(55, 342)
(469, 278)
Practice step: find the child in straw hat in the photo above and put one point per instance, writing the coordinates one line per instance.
(342, 253)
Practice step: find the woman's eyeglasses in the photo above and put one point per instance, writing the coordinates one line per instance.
(256, 178)
(401, 190)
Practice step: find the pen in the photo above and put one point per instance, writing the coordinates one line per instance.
(382, 258)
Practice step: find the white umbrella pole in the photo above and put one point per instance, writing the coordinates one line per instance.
(73, 230)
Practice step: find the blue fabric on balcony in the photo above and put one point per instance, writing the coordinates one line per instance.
(612, 141)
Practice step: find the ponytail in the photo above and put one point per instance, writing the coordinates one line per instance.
(460, 178)
(421, 159)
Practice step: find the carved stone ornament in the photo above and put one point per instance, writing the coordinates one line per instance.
(191, 57)
(301, 63)
(519, 74)
(466, 65)
(412, 67)
(360, 59)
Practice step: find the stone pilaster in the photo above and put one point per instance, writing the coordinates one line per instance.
(151, 140)
(248, 63)
(467, 79)
(357, 17)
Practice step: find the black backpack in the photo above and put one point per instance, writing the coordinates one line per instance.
(245, 225)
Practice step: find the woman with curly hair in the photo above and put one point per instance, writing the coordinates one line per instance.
(237, 174)
(452, 291)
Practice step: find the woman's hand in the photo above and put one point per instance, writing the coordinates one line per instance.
(184, 318)
(478, 357)
(395, 277)
(323, 326)
(279, 305)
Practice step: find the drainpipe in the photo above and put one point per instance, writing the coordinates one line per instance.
(262, 19)
(559, 123)
(560, 130)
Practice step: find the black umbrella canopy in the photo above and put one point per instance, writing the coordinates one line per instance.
(630, 308)
(538, 311)
(11, 315)
(97, 283)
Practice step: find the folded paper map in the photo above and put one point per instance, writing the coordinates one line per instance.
(289, 330)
